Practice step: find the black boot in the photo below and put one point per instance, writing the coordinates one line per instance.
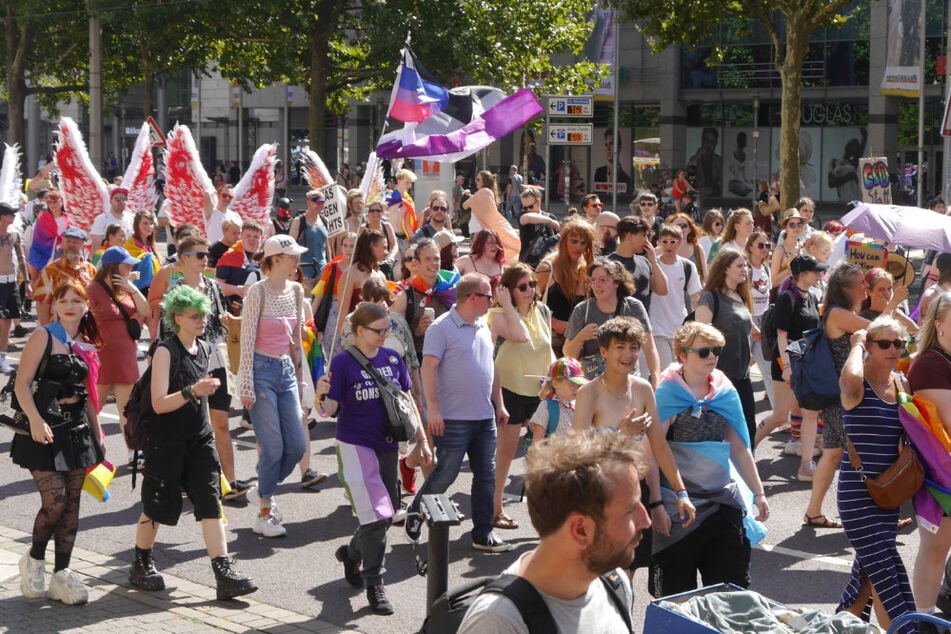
(143, 575)
(230, 582)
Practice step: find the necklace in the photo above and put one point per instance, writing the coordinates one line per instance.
(621, 397)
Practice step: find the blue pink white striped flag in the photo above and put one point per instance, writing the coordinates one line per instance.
(414, 99)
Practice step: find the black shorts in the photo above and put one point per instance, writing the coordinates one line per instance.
(220, 400)
(174, 465)
(520, 408)
(642, 554)
(9, 300)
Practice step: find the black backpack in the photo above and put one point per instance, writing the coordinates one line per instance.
(767, 332)
(450, 608)
(540, 247)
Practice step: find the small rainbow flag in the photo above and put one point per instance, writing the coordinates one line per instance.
(312, 350)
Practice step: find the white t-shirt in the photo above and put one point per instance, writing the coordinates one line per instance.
(213, 224)
(595, 611)
(667, 312)
(102, 222)
(760, 286)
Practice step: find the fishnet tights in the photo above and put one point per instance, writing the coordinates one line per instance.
(58, 517)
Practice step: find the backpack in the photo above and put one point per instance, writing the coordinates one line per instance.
(448, 610)
(767, 332)
(139, 415)
(540, 247)
(692, 315)
(554, 414)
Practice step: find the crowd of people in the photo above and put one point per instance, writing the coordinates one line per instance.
(622, 338)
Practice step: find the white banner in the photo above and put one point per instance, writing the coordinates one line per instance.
(335, 209)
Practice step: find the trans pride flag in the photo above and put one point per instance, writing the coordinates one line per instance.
(414, 99)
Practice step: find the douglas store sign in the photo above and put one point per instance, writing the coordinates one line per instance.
(818, 114)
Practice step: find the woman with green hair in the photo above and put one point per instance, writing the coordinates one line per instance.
(180, 455)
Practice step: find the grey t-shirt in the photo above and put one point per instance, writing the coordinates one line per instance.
(734, 320)
(587, 312)
(592, 612)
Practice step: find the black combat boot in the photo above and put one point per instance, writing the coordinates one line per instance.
(143, 575)
(230, 582)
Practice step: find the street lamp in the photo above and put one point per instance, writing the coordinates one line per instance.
(755, 147)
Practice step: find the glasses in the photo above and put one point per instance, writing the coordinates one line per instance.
(434, 208)
(527, 207)
(761, 245)
(375, 210)
(705, 352)
(316, 201)
(598, 204)
(885, 344)
(682, 226)
(485, 295)
(201, 255)
(380, 331)
(670, 241)
(120, 199)
(793, 225)
(408, 258)
(197, 317)
(526, 285)
(647, 203)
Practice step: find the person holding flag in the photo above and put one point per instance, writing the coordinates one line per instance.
(402, 209)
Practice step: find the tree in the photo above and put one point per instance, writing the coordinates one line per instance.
(345, 50)
(45, 53)
(687, 22)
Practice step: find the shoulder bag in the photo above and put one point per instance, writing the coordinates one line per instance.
(900, 481)
(132, 325)
(44, 395)
(814, 379)
(400, 409)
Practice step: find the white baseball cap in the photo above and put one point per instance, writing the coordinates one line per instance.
(282, 245)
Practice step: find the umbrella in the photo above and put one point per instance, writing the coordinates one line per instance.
(907, 226)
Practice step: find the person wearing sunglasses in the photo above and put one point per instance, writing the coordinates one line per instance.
(689, 247)
(787, 247)
(438, 213)
(870, 390)
(537, 229)
(193, 260)
(311, 233)
(116, 215)
(645, 206)
(701, 418)
(523, 325)
(712, 228)
(930, 378)
(376, 222)
(667, 312)
(757, 257)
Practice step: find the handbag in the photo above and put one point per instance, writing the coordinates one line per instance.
(326, 301)
(400, 409)
(814, 379)
(44, 391)
(132, 325)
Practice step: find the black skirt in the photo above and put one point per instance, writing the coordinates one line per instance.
(73, 446)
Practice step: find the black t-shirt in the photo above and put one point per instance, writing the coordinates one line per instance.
(529, 233)
(189, 420)
(640, 268)
(796, 313)
(215, 251)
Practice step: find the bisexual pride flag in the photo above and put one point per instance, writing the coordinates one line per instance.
(414, 99)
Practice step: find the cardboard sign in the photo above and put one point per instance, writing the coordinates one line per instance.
(335, 209)
(876, 185)
(866, 255)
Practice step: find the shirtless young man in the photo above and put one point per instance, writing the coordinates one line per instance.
(617, 400)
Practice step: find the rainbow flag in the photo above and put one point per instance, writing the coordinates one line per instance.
(312, 351)
(919, 417)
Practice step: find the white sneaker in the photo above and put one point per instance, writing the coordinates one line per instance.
(254, 499)
(793, 448)
(32, 577)
(269, 526)
(5, 366)
(65, 586)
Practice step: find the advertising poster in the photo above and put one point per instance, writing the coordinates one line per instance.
(607, 161)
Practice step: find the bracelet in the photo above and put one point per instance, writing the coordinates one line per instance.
(759, 495)
(654, 505)
(682, 493)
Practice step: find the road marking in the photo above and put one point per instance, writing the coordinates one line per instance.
(805, 556)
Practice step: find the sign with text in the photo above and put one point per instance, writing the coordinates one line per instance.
(876, 185)
(564, 106)
(577, 134)
(866, 255)
(334, 209)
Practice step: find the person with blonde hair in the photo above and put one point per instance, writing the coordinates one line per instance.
(739, 227)
(401, 209)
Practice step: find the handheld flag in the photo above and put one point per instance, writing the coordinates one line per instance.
(414, 99)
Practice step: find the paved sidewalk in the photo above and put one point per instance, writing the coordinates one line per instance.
(115, 607)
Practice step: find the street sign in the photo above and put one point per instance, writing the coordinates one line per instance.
(577, 134)
(156, 138)
(564, 106)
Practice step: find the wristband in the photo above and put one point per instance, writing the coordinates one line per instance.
(682, 493)
(759, 495)
(654, 505)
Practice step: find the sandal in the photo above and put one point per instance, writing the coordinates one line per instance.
(820, 521)
(905, 522)
(504, 521)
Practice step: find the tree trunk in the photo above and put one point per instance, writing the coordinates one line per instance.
(790, 72)
(318, 87)
(148, 81)
(17, 45)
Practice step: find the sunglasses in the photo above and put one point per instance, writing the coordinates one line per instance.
(885, 344)
(794, 225)
(761, 245)
(485, 295)
(681, 226)
(646, 203)
(670, 241)
(201, 255)
(703, 353)
(439, 208)
(374, 210)
(316, 200)
(526, 285)
(380, 331)
(527, 207)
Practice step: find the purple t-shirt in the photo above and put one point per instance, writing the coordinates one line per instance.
(362, 418)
